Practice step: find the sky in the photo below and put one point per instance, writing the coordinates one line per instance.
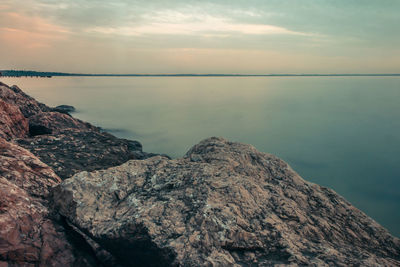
(187, 36)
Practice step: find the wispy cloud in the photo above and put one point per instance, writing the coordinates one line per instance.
(178, 23)
(29, 32)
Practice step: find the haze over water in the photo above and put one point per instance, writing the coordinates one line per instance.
(339, 132)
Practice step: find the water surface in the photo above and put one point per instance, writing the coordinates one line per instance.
(340, 132)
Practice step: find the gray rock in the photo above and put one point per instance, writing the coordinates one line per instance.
(64, 109)
(69, 151)
(223, 204)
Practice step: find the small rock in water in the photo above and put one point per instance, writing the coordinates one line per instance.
(64, 109)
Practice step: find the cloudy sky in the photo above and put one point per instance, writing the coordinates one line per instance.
(154, 36)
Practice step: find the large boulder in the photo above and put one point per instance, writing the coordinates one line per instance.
(223, 204)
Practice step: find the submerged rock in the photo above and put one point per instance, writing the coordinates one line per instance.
(223, 204)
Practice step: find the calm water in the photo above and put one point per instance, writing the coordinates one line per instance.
(340, 132)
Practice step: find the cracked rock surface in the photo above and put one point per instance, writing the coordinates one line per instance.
(223, 204)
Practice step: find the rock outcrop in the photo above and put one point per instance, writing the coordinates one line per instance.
(66, 144)
(15, 96)
(223, 204)
(29, 234)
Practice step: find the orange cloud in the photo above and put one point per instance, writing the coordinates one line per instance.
(177, 23)
(29, 32)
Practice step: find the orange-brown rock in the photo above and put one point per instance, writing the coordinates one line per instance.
(13, 124)
(15, 96)
(25, 170)
(27, 236)
(223, 204)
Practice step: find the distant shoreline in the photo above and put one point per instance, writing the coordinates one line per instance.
(23, 73)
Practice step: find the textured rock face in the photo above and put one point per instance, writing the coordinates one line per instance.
(14, 96)
(25, 170)
(55, 122)
(222, 204)
(13, 124)
(27, 236)
(70, 150)
(66, 144)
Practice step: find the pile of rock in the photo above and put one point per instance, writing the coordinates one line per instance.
(39, 146)
(222, 204)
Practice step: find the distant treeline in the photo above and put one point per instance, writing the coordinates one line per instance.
(30, 73)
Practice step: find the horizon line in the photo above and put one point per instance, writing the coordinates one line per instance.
(16, 73)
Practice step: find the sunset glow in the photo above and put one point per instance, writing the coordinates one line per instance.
(124, 37)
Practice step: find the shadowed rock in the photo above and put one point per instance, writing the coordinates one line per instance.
(46, 123)
(71, 150)
(64, 109)
(223, 204)
(28, 236)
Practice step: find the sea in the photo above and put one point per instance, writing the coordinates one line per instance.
(339, 132)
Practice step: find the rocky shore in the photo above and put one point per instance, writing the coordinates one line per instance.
(74, 195)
